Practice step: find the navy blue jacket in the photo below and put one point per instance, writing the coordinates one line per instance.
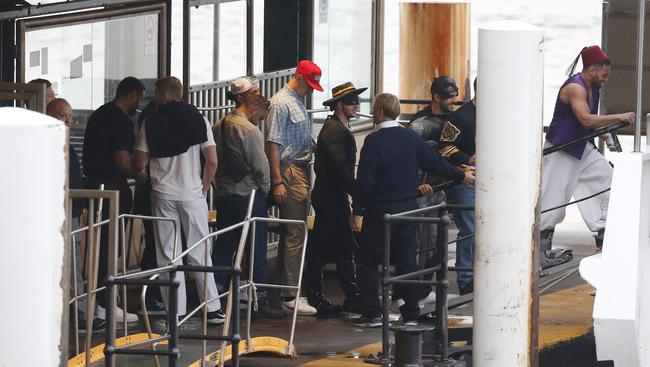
(388, 167)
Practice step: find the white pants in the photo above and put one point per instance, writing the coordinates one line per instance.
(564, 176)
(193, 217)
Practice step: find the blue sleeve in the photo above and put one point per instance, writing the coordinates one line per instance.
(365, 175)
(430, 161)
(275, 123)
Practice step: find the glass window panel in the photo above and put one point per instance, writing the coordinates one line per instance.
(342, 45)
(85, 62)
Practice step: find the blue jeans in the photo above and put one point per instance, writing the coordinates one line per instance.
(231, 209)
(464, 219)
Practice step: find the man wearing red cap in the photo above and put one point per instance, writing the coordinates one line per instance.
(289, 146)
(578, 170)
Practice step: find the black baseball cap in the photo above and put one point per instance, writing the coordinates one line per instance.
(444, 86)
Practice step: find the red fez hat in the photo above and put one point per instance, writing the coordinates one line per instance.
(592, 55)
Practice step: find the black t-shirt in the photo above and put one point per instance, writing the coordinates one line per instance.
(460, 130)
(108, 130)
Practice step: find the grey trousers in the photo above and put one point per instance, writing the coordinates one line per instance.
(296, 181)
(193, 218)
(564, 176)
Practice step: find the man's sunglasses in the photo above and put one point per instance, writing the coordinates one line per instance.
(350, 100)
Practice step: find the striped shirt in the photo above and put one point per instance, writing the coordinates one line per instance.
(288, 125)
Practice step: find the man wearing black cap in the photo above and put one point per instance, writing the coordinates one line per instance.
(427, 124)
(332, 235)
(578, 170)
(458, 146)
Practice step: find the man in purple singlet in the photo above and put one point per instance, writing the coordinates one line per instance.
(578, 170)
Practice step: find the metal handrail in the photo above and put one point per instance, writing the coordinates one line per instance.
(441, 270)
(231, 306)
(74, 301)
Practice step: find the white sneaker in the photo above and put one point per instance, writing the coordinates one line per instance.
(119, 315)
(303, 306)
(427, 304)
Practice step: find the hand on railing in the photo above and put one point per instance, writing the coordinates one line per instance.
(469, 179)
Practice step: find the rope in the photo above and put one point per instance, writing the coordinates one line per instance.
(576, 201)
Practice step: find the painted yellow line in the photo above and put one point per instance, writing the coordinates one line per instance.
(564, 315)
(268, 344)
(97, 352)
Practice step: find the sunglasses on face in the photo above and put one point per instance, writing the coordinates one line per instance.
(350, 100)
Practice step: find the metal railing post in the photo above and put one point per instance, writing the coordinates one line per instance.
(172, 319)
(234, 331)
(385, 289)
(110, 322)
(91, 274)
(442, 277)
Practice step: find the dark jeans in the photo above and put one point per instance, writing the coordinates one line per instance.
(125, 202)
(231, 209)
(403, 256)
(331, 238)
(142, 206)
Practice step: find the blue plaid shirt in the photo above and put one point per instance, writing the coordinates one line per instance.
(288, 125)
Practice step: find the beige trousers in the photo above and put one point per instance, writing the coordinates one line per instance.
(296, 182)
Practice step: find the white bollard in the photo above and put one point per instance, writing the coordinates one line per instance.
(508, 176)
(33, 155)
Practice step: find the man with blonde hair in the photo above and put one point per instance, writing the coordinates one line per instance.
(387, 181)
(171, 141)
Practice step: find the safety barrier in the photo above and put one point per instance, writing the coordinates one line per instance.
(232, 307)
(441, 282)
(210, 98)
(93, 233)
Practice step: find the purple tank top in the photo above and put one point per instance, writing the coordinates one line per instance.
(565, 125)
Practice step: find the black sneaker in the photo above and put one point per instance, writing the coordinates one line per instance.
(466, 289)
(368, 321)
(99, 325)
(216, 317)
(266, 311)
(327, 308)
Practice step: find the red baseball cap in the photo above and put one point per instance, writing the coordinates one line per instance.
(311, 73)
(592, 55)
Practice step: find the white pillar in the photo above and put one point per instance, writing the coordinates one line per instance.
(509, 151)
(33, 155)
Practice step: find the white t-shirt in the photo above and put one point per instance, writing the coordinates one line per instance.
(179, 177)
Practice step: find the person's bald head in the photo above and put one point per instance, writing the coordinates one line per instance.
(60, 109)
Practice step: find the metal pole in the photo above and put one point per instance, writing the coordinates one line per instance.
(109, 334)
(385, 289)
(639, 77)
(442, 276)
(113, 238)
(250, 36)
(186, 49)
(215, 41)
(91, 274)
(234, 331)
(510, 54)
(172, 319)
(378, 47)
